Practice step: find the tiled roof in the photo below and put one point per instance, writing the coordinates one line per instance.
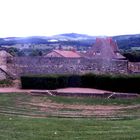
(119, 56)
(105, 48)
(68, 54)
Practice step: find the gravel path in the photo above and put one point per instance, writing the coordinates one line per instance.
(81, 90)
(66, 90)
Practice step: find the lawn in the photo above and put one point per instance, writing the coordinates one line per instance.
(26, 117)
(22, 128)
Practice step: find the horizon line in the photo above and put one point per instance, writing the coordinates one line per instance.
(26, 36)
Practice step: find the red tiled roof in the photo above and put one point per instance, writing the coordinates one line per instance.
(68, 54)
(104, 48)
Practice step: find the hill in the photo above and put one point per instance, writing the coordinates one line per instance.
(124, 42)
(128, 41)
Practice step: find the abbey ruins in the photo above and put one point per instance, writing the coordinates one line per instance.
(102, 57)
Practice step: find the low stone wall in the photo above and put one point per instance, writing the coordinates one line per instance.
(134, 67)
(42, 65)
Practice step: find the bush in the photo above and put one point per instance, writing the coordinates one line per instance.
(39, 82)
(118, 83)
(5, 83)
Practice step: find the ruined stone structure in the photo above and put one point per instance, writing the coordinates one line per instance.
(42, 65)
(134, 67)
(4, 57)
(103, 57)
(105, 48)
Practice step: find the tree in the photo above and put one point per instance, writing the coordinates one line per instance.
(36, 53)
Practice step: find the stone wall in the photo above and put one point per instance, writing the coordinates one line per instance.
(2, 75)
(3, 68)
(134, 67)
(42, 65)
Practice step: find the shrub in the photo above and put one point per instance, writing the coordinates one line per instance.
(118, 83)
(39, 82)
(74, 81)
(6, 83)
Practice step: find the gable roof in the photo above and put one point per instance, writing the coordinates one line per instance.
(105, 48)
(67, 54)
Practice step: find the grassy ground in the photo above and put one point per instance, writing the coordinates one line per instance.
(93, 101)
(25, 117)
(19, 128)
(27, 105)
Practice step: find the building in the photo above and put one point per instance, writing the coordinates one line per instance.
(104, 48)
(4, 57)
(64, 54)
(103, 57)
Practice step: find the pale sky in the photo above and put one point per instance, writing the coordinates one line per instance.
(50, 17)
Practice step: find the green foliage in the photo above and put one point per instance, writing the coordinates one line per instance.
(39, 82)
(50, 81)
(132, 55)
(92, 101)
(127, 42)
(25, 117)
(22, 128)
(118, 83)
(15, 51)
(36, 52)
(5, 83)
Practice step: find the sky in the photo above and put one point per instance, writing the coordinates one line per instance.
(50, 17)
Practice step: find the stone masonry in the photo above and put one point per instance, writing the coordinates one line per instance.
(103, 57)
(41, 65)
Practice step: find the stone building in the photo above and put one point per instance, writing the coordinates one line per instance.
(103, 57)
(105, 48)
(4, 57)
(63, 53)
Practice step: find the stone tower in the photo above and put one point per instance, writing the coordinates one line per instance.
(105, 48)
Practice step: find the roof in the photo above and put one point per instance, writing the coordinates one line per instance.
(105, 48)
(67, 54)
(119, 56)
(5, 54)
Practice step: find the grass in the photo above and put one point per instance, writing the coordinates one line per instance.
(19, 120)
(21, 104)
(92, 101)
(19, 128)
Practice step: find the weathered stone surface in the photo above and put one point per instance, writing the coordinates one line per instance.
(2, 75)
(134, 67)
(103, 57)
(41, 65)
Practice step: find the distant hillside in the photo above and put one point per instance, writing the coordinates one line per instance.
(128, 41)
(73, 36)
(73, 39)
(22, 40)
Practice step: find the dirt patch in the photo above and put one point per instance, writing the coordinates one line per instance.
(49, 108)
(81, 90)
(66, 110)
(78, 92)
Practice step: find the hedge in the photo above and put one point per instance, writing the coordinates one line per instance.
(6, 83)
(118, 83)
